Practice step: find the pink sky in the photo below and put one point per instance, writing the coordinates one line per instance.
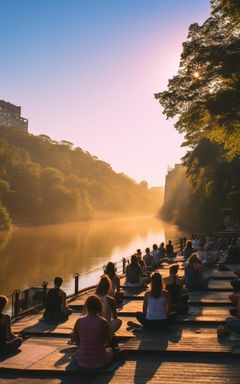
(91, 79)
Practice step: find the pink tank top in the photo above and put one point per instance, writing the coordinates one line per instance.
(91, 351)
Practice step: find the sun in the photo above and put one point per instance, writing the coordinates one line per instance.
(196, 74)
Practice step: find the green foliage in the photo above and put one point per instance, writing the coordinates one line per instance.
(44, 181)
(205, 97)
(5, 220)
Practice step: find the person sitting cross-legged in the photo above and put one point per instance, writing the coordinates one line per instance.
(174, 285)
(9, 342)
(108, 304)
(194, 279)
(92, 332)
(156, 305)
(134, 274)
(56, 308)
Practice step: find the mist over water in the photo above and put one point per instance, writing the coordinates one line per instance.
(34, 254)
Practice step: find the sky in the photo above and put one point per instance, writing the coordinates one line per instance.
(86, 71)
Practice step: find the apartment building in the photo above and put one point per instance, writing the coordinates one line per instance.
(10, 116)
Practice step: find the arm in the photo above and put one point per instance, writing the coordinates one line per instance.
(63, 297)
(75, 335)
(198, 267)
(7, 324)
(168, 300)
(145, 303)
(117, 284)
(113, 306)
(107, 337)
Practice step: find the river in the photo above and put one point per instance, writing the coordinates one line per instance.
(30, 255)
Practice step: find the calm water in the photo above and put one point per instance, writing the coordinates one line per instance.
(31, 255)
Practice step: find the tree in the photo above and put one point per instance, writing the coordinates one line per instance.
(205, 94)
(205, 98)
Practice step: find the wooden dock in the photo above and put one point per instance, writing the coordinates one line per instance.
(189, 351)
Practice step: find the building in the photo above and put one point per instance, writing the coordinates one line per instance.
(172, 179)
(10, 116)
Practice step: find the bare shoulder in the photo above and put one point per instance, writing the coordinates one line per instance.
(62, 293)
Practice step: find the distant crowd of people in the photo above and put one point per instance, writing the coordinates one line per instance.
(163, 302)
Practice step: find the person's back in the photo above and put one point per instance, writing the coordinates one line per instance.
(175, 291)
(148, 259)
(134, 272)
(188, 250)
(193, 273)
(93, 333)
(9, 342)
(156, 308)
(162, 251)
(3, 333)
(170, 249)
(233, 255)
(192, 277)
(155, 255)
(54, 302)
(56, 308)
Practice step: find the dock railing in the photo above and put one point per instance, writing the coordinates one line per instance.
(34, 298)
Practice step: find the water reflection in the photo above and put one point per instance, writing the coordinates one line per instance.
(30, 255)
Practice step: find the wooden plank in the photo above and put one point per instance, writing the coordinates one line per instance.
(40, 357)
(153, 370)
(215, 314)
(28, 354)
(221, 285)
(209, 297)
(204, 297)
(179, 339)
(224, 275)
(33, 325)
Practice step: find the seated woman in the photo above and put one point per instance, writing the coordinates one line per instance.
(93, 333)
(170, 249)
(148, 260)
(56, 308)
(156, 305)
(194, 279)
(134, 274)
(9, 342)
(174, 285)
(188, 250)
(108, 304)
(141, 261)
(233, 254)
(233, 323)
(115, 283)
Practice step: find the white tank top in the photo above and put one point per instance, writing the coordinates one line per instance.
(156, 308)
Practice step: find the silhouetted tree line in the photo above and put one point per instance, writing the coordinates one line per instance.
(44, 181)
(205, 97)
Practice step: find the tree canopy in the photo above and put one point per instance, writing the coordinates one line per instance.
(44, 181)
(205, 98)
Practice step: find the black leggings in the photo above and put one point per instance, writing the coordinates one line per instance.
(156, 323)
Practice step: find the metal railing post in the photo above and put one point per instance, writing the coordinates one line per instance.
(123, 265)
(15, 302)
(181, 246)
(44, 287)
(76, 283)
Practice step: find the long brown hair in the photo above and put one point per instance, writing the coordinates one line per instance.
(156, 285)
(103, 286)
